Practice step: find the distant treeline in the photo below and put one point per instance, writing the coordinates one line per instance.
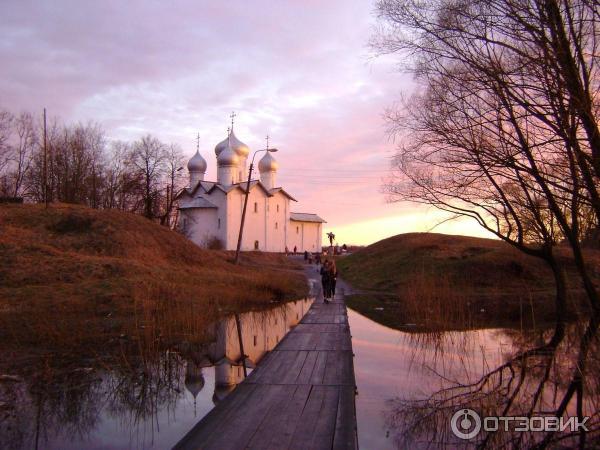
(82, 165)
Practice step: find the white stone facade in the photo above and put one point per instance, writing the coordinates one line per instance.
(211, 211)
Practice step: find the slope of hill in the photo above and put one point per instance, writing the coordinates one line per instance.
(72, 275)
(434, 280)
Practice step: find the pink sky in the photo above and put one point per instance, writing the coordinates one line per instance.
(300, 71)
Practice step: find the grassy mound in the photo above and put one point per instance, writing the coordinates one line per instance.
(72, 276)
(435, 281)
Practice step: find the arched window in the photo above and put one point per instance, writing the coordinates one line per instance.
(219, 223)
(297, 230)
(255, 206)
(276, 225)
(277, 208)
(255, 245)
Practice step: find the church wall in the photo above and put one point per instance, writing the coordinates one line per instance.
(200, 225)
(305, 236)
(255, 228)
(277, 223)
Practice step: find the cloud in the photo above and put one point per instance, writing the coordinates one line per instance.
(298, 70)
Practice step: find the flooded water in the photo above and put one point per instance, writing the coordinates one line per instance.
(138, 405)
(410, 385)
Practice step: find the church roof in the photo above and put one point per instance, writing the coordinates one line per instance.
(283, 191)
(198, 202)
(306, 217)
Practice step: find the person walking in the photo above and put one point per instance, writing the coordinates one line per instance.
(305, 255)
(326, 281)
(333, 277)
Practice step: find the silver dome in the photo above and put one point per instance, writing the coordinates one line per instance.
(267, 163)
(197, 163)
(221, 146)
(227, 157)
(241, 149)
(238, 146)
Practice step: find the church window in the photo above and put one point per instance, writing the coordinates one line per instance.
(255, 207)
(255, 340)
(255, 245)
(219, 223)
(276, 225)
(297, 230)
(277, 208)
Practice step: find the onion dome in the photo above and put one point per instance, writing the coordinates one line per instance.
(238, 146)
(197, 163)
(227, 157)
(267, 163)
(221, 146)
(194, 380)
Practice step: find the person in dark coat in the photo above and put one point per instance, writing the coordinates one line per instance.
(326, 281)
(332, 277)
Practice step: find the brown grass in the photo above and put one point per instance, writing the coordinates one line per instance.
(440, 281)
(72, 277)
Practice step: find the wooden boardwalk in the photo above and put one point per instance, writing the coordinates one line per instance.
(300, 396)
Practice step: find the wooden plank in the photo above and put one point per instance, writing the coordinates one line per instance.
(325, 429)
(301, 395)
(265, 433)
(293, 371)
(307, 368)
(284, 426)
(303, 436)
(237, 431)
(345, 426)
(319, 370)
(202, 431)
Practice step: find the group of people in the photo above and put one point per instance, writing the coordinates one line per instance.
(328, 279)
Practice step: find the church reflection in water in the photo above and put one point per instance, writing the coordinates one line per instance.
(137, 395)
(260, 332)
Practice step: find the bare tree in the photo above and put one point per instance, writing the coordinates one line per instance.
(506, 131)
(148, 159)
(174, 164)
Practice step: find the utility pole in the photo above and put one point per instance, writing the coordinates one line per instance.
(239, 243)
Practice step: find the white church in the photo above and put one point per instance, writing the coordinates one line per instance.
(211, 211)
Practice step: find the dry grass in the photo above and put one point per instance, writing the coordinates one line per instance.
(72, 277)
(439, 281)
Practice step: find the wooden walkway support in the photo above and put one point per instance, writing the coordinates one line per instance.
(300, 396)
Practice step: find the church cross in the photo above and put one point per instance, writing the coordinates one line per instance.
(198, 143)
(267, 138)
(232, 116)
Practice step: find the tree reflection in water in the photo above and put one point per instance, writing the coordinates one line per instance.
(541, 374)
(63, 400)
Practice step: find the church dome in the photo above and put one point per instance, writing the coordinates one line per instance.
(238, 146)
(221, 146)
(227, 157)
(197, 163)
(267, 163)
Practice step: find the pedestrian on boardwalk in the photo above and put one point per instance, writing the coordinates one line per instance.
(326, 281)
(295, 249)
(305, 255)
(333, 277)
(287, 252)
(318, 258)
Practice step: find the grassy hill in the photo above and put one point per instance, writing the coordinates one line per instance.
(441, 281)
(73, 277)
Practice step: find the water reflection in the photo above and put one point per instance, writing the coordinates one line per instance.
(411, 384)
(132, 398)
